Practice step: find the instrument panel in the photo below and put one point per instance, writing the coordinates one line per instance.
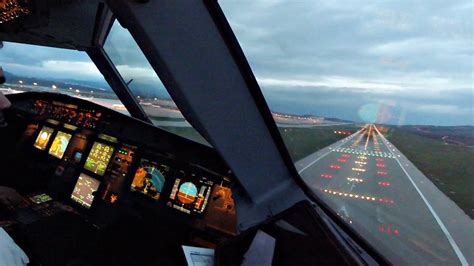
(67, 113)
(104, 157)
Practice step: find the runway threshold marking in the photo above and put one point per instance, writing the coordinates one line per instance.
(451, 241)
(326, 153)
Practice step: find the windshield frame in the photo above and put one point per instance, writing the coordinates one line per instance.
(238, 54)
(114, 58)
(118, 85)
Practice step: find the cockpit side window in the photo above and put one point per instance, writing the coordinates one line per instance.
(145, 84)
(45, 69)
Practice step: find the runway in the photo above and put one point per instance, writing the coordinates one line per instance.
(384, 197)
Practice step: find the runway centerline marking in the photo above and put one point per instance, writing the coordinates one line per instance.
(368, 137)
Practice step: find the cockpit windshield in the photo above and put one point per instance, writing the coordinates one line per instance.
(374, 101)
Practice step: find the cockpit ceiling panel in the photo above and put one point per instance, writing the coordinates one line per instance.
(55, 23)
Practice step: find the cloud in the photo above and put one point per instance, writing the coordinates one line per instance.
(443, 109)
(137, 72)
(47, 62)
(35, 55)
(305, 54)
(56, 70)
(334, 82)
(84, 69)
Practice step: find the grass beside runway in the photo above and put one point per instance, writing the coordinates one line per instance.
(302, 142)
(449, 167)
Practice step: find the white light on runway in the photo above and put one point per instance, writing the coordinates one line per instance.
(357, 196)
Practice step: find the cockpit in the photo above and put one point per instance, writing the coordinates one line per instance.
(82, 167)
(134, 132)
(108, 174)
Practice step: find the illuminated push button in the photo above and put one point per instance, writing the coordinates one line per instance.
(113, 198)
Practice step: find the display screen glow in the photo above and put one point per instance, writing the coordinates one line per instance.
(84, 189)
(60, 144)
(43, 138)
(150, 178)
(99, 158)
(190, 193)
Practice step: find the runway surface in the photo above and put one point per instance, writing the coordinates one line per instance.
(384, 197)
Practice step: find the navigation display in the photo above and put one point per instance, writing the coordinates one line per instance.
(150, 178)
(43, 138)
(99, 158)
(84, 189)
(190, 193)
(59, 145)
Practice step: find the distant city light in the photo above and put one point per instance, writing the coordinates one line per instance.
(70, 88)
(34, 83)
(54, 86)
(20, 81)
(78, 91)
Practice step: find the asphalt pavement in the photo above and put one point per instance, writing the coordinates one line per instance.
(383, 196)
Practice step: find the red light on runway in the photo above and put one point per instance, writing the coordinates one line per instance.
(388, 201)
(380, 165)
(387, 229)
(342, 160)
(345, 155)
(326, 176)
(384, 183)
(381, 173)
(335, 166)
